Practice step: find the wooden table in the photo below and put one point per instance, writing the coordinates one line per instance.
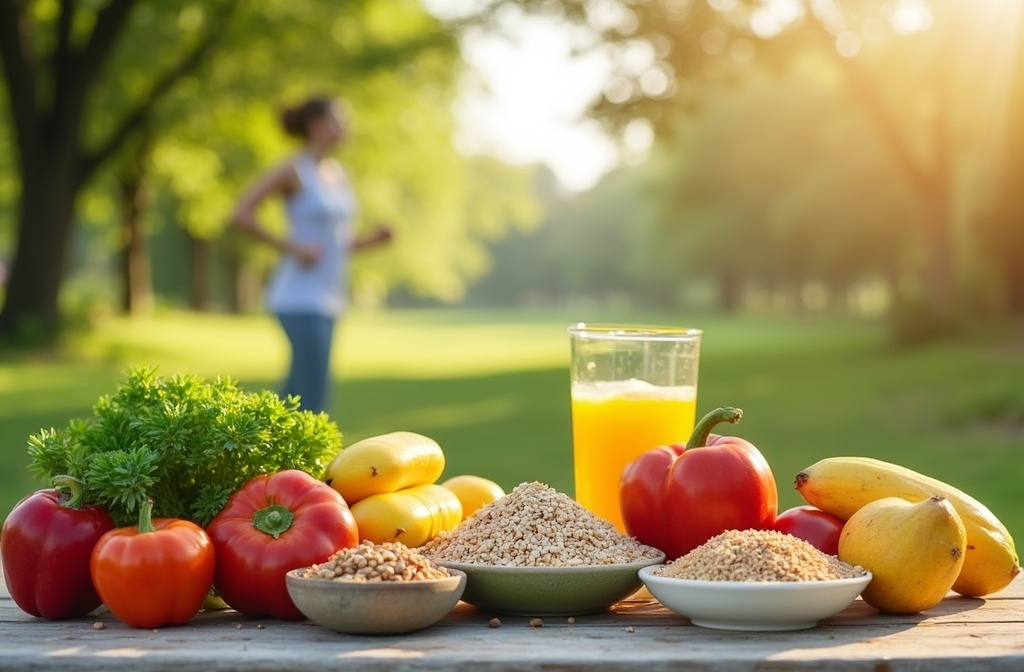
(960, 634)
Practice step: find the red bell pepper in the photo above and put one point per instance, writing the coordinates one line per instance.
(271, 525)
(45, 545)
(155, 574)
(677, 497)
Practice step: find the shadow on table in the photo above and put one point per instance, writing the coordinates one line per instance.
(857, 623)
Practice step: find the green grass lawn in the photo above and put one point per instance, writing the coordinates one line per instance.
(492, 388)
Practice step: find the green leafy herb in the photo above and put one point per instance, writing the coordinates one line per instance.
(182, 441)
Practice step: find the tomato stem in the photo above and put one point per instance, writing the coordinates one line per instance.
(146, 517)
(63, 482)
(273, 520)
(703, 429)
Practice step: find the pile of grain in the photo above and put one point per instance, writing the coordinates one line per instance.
(372, 563)
(536, 526)
(756, 555)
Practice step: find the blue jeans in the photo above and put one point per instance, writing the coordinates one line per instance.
(309, 376)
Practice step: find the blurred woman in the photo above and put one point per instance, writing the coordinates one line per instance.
(308, 289)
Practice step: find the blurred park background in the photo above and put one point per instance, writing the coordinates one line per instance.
(832, 189)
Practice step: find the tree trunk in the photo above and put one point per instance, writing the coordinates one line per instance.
(50, 184)
(1006, 223)
(939, 281)
(729, 290)
(199, 273)
(1014, 280)
(236, 292)
(244, 285)
(931, 178)
(938, 197)
(50, 76)
(136, 275)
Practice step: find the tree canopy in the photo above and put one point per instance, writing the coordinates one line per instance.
(178, 100)
(920, 116)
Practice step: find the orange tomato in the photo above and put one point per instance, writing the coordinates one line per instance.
(155, 574)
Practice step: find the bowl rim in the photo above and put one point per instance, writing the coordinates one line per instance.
(292, 575)
(468, 567)
(647, 574)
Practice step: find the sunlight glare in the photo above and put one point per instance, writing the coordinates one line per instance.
(774, 16)
(911, 16)
(848, 44)
(455, 9)
(637, 141)
(531, 97)
(605, 15)
(724, 6)
(989, 61)
(654, 83)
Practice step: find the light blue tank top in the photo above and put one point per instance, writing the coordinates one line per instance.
(317, 213)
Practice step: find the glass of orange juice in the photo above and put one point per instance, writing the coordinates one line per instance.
(633, 388)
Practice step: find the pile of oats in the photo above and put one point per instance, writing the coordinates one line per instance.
(537, 526)
(758, 555)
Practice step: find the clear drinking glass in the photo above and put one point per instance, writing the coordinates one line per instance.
(633, 388)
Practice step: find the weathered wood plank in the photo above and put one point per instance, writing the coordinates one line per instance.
(960, 634)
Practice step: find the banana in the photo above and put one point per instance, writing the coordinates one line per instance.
(842, 485)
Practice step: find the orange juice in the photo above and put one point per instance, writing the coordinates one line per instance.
(613, 423)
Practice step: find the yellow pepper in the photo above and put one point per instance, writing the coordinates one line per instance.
(385, 463)
(412, 516)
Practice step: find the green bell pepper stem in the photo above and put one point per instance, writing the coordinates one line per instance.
(63, 482)
(273, 520)
(146, 517)
(703, 429)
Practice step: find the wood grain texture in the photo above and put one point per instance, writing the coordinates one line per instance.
(959, 635)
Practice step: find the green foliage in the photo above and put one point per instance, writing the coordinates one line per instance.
(8, 182)
(396, 68)
(590, 248)
(207, 136)
(914, 136)
(184, 442)
(782, 182)
(779, 184)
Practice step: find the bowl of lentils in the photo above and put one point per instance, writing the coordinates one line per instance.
(537, 552)
(375, 589)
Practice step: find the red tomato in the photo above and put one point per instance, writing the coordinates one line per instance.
(155, 574)
(818, 528)
(271, 525)
(676, 498)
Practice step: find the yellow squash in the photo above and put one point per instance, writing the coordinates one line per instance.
(914, 551)
(843, 485)
(385, 463)
(474, 492)
(412, 516)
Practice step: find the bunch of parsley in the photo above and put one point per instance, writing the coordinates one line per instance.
(182, 441)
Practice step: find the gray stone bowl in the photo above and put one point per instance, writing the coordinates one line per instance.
(385, 608)
(549, 591)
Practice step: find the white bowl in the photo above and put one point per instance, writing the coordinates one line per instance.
(751, 606)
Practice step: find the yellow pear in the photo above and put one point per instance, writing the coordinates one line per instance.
(914, 550)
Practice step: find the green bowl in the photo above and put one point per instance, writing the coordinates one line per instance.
(549, 591)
